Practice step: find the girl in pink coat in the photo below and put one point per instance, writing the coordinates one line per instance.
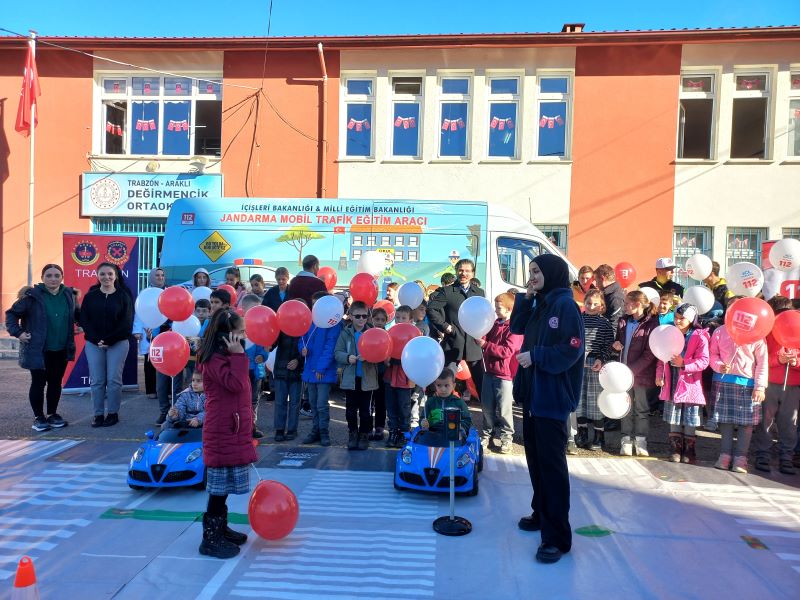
(681, 382)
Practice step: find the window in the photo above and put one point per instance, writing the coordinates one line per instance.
(744, 244)
(359, 101)
(151, 237)
(175, 116)
(750, 116)
(454, 108)
(406, 102)
(791, 232)
(503, 110)
(552, 117)
(413, 240)
(385, 240)
(370, 240)
(696, 116)
(399, 241)
(794, 114)
(358, 240)
(356, 253)
(398, 256)
(557, 234)
(687, 241)
(413, 256)
(515, 256)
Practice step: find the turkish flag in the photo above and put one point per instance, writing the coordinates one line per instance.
(27, 97)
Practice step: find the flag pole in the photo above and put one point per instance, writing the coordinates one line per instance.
(32, 45)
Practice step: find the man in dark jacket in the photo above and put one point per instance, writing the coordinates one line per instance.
(443, 315)
(549, 386)
(665, 269)
(306, 283)
(277, 294)
(614, 295)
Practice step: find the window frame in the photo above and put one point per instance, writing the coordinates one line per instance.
(104, 98)
(680, 254)
(761, 233)
(565, 97)
(523, 268)
(449, 98)
(401, 98)
(713, 95)
(767, 94)
(562, 229)
(504, 99)
(346, 100)
(793, 126)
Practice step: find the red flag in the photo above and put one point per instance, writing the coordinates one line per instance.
(27, 97)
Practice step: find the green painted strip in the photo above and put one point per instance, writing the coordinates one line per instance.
(754, 542)
(593, 531)
(166, 515)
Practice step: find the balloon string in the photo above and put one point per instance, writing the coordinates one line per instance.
(172, 394)
(256, 470)
(307, 342)
(785, 376)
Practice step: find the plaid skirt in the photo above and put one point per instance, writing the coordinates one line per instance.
(228, 480)
(587, 407)
(682, 414)
(734, 404)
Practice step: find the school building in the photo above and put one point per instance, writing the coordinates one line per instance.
(621, 145)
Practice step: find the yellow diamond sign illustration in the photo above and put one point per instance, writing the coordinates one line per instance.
(214, 246)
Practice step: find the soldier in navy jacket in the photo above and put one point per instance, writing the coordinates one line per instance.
(549, 385)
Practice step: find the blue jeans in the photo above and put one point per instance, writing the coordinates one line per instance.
(105, 375)
(287, 403)
(497, 405)
(318, 394)
(162, 389)
(398, 407)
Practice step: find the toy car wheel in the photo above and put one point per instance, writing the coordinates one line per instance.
(397, 487)
(480, 459)
(474, 490)
(138, 488)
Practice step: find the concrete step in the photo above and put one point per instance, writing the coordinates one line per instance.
(9, 347)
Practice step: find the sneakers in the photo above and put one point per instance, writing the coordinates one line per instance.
(98, 420)
(312, 438)
(40, 424)
(352, 441)
(324, 438)
(572, 448)
(363, 441)
(279, 437)
(305, 412)
(56, 421)
(161, 418)
(762, 464)
(739, 464)
(786, 467)
(257, 433)
(485, 441)
(393, 441)
(529, 523)
(582, 438)
(376, 435)
(641, 446)
(506, 447)
(290, 435)
(724, 462)
(598, 440)
(110, 420)
(626, 447)
(711, 425)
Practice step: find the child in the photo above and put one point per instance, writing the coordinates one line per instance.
(500, 347)
(379, 319)
(227, 428)
(420, 318)
(319, 374)
(257, 354)
(739, 381)
(189, 408)
(681, 385)
(287, 387)
(219, 299)
(359, 378)
(599, 338)
(666, 301)
(398, 391)
(633, 342)
(391, 293)
(257, 287)
(780, 405)
(202, 309)
(445, 385)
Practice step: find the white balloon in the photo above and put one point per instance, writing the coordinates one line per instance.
(476, 316)
(651, 293)
(616, 377)
(410, 294)
(422, 360)
(147, 308)
(698, 266)
(745, 279)
(701, 297)
(201, 293)
(666, 341)
(271, 359)
(614, 405)
(327, 312)
(371, 262)
(188, 328)
(785, 254)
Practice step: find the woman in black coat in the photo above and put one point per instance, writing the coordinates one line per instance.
(44, 321)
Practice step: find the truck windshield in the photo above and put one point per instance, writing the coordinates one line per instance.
(514, 256)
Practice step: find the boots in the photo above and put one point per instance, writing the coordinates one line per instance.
(324, 438)
(676, 447)
(231, 535)
(391, 441)
(363, 441)
(689, 456)
(582, 437)
(214, 542)
(352, 440)
(313, 437)
(599, 440)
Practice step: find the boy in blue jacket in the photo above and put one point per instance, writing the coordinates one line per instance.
(257, 355)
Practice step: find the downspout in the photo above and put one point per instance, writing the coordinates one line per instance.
(323, 142)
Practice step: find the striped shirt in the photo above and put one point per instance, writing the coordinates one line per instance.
(599, 336)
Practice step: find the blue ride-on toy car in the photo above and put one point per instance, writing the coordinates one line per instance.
(173, 458)
(423, 463)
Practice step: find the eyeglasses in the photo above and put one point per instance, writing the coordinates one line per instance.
(359, 316)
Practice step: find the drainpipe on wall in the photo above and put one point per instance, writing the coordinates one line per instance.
(323, 142)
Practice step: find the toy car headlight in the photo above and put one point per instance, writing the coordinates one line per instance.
(194, 455)
(406, 456)
(137, 456)
(463, 461)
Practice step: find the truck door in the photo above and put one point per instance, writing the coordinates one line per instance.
(511, 257)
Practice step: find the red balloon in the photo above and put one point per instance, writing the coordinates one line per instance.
(375, 345)
(261, 325)
(387, 306)
(294, 318)
(401, 334)
(230, 290)
(273, 510)
(364, 288)
(625, 273)
(169, 353)
(749, 320)
(786, 330)
(176, 303)
(328, 276)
